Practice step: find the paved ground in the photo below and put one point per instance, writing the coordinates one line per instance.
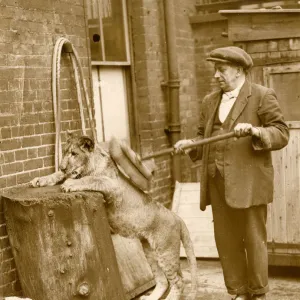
(284, 282)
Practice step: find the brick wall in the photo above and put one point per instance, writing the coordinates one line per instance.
(28, 33)
(147, 21)
(189, 99)
(150, 65)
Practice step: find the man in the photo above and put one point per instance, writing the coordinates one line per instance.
(237, 173)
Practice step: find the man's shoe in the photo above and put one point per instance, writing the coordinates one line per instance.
(259, 297)
(242, 297)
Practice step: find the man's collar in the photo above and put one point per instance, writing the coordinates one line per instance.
(234, 93)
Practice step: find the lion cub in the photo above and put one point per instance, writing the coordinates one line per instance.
(131, 213)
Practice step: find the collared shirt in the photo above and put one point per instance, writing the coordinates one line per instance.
(228, 99)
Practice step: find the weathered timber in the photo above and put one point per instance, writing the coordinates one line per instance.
(255, 24)
(134, 269)
(62, 245)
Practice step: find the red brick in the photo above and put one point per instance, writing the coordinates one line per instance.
(37, 106)
(28, 130)
(10, 144)
(42, 151)
(5, 120)
(39, 129)
(12, 168)
(2, 182)
(32, 153)
(15, 131)
(21, 154)
(30, 119)
(28, 107)
(9, 157)
(48, 139)
(33, 164)
(31, 141)
(50, 150)
(49, 128)
(24, 178)
(47, 106)
(48, 161)
(46, 117)
(6, 133)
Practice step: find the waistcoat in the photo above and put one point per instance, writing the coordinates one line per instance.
(216, 149)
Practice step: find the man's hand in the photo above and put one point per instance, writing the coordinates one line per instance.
(244, 129)
(178, 146)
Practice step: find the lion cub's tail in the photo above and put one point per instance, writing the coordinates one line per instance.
(189, 250)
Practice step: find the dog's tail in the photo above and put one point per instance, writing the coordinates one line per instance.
(189, 250)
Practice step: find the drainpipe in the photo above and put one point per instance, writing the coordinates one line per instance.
(173, 84)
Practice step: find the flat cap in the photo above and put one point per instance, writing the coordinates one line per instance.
(232, 54)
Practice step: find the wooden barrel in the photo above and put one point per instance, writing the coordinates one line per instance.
(62, 244)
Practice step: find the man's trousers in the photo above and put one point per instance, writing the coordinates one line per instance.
(241, 240)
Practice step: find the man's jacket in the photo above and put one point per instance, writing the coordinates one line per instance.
(248, 170)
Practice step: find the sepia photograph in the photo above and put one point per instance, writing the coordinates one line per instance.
(149, 150)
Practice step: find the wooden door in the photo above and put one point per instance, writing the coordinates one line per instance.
(284, 212)
(111, 103)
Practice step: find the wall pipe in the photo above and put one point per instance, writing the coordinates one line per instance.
(173, 84)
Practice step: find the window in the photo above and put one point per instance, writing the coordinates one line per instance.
(108, 32)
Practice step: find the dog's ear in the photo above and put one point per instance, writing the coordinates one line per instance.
(86, 143)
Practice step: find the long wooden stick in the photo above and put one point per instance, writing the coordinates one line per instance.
(195, 144)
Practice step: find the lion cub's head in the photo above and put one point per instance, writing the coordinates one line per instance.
(81, 157)
(76, 155)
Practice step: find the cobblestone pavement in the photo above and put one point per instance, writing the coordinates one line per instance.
(284, 282)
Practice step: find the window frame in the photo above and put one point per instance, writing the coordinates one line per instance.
(104, 62)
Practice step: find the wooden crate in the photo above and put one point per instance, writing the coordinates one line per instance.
(63, 248)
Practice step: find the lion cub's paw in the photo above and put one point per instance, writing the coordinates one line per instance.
(69, 185)
(38, 182)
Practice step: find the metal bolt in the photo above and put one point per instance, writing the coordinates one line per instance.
(83, 289)
(50, 213)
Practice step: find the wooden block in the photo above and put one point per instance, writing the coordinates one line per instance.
(63, 248)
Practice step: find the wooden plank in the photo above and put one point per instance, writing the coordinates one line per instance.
(286, 206)
(206, 18)
(219, 5)
(284, 260)
(293, 188)
(279, 221)
(135, 271)
(293, 124)
(269, 224)
(255, 25)
(216, 6)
